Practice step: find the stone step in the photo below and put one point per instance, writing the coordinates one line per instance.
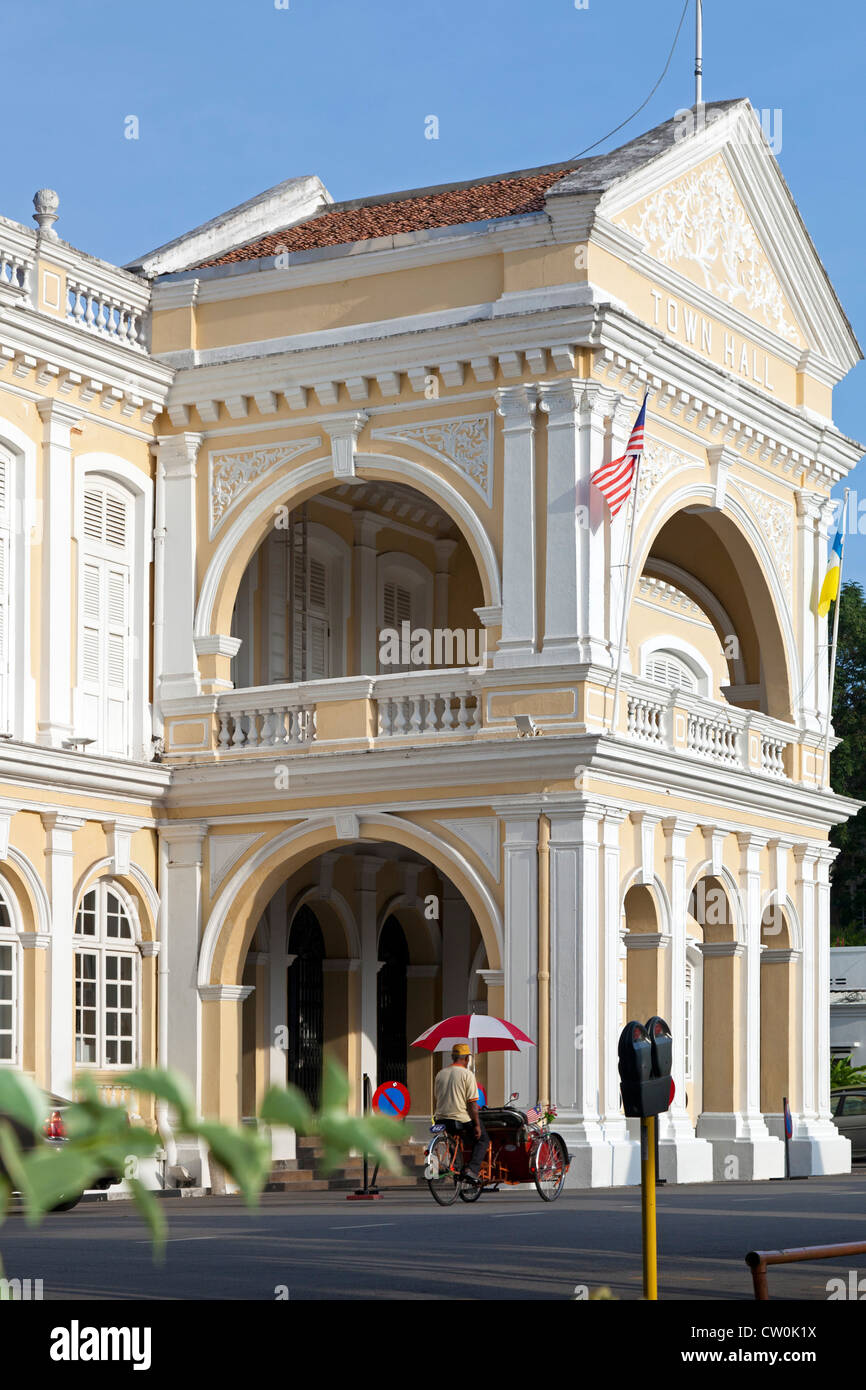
(307, 1184)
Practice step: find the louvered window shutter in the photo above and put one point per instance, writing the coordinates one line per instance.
(105, 622)
(668, 670)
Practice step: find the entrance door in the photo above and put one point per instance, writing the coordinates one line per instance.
(391, 1019)
(306, 1004)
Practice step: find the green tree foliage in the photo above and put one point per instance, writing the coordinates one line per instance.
(843, 1074)
(100, 1140)
(848, 897)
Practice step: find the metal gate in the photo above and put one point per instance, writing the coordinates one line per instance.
(391, 1042)
(306, 1004)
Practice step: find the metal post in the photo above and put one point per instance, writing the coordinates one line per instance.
(699, 53)
(648, 1207)
(369, 1191)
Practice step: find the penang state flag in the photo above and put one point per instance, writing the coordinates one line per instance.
(830, 587)
(614, 479)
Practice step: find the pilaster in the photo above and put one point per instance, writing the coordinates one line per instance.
(57, 679)
(176, 484)
(519, 639)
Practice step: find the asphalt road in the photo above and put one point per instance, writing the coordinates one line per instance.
(508, 1245)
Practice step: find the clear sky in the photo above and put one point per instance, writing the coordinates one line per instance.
(233, 96)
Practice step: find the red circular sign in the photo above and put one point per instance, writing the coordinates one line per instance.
(391, 1099)
(673, 1092)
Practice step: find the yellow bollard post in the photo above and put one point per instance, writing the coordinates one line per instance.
(648, 1206)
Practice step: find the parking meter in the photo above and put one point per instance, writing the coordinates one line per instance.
(645, 1055)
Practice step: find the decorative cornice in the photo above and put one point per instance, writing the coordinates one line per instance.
(221, 994)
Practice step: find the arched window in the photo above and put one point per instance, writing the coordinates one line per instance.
(666, 668)
(106, 981)
(391, 1039)
(104, 618)
(306, 1004)
(8, 986)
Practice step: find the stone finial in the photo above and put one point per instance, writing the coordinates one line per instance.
(46, 203)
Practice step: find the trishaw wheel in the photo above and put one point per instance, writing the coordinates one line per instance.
(549, 1163)
(446, 1185)
(470, 1193)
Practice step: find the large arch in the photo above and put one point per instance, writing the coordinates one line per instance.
(751, 574)
(242, 538)
(240, 904)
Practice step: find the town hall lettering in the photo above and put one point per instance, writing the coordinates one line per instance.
(680, 321)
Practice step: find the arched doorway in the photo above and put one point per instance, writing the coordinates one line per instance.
(306, 1004)
(391, 1040)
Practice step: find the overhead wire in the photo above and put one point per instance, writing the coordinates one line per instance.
(648, 99)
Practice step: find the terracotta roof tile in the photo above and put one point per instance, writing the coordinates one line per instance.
(503, 197)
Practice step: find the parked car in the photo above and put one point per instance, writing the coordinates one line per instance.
(849, 1116)
(54, 1134)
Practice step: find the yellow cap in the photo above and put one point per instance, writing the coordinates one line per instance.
(461, 1049)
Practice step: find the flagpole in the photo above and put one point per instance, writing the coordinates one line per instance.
(626, 592)
(699, 54)
(825, 770)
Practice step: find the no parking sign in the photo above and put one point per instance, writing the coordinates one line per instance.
(391, 1099)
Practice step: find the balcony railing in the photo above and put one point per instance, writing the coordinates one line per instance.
(717, 733)
(473, 703)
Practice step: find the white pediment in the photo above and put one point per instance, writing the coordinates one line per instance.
(481, 835)
(713, 211)
(224, 853)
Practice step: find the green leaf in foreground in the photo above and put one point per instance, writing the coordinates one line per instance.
(153, 1214)
(22, 1100)
(244, 1154)
(287, 1107)
(167, 1086)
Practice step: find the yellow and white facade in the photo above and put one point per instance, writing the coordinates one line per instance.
(232, 468)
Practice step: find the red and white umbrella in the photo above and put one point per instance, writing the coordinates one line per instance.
(483, 1033)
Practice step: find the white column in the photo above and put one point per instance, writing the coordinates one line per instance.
(817, 1147)
(621, 421)
(575, 1011)
(181, 893)
(520, 948)
(278, 1001)
(593, 564)
(519, 639)
(561, 402)
(682, 1156)
(625, 1152)
(365, 596)
(177, 478)
(368, 869)
(810, 706)
(57, 678)
(60, 882)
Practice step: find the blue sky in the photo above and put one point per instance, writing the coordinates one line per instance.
(233, 96)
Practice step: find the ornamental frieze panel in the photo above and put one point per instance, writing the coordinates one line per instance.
(698, 223)
(776, 521)
(465, 444)
(658, 462)
(233, 472)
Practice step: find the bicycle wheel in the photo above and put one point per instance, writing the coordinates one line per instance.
(549, 1163)
(470, 1193)
(443, 1182)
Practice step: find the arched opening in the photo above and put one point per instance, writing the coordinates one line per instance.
(306, 1004)
(645, 977)
(362, 579)
(372, 937)
(703, 617)
(392, 980)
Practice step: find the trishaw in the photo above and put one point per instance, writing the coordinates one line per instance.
(522, 1148)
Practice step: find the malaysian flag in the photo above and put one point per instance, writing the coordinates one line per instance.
(614, 479)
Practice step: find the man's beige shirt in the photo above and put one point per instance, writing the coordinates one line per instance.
(453, 1087)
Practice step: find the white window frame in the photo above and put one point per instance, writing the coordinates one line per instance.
(24, 528)
(665, 644)
(9, 937)
(98, 470)
(398, 567)
(102, 946)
